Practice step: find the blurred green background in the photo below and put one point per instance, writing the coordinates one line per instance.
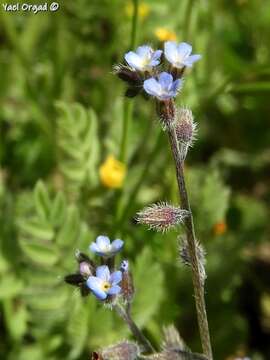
(62, 114)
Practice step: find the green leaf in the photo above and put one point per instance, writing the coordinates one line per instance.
(58, 209)
(41, 253)
(69, 231)
(10, 286)
(148, 280)
(37, 229)
(42, 200)
(16, 316)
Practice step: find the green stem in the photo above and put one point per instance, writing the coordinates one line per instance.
(125, 315)
(128, 105)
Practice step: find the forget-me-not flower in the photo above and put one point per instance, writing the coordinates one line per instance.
(144, 58)
(179, 54)
(104, 247)
(164, 87)
(104, 284)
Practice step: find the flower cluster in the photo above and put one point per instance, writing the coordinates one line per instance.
(142, 71)
(103, 281)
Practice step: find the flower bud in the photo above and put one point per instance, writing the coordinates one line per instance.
(185, 129)
(186, 259)
(161, 217)
(127, 282)
(166, 113)
(85, 269)
(127, 74)
(125, 350)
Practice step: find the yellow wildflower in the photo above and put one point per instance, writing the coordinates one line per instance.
(164, 34)
(112, 172)
(220, 228)
(143, 10)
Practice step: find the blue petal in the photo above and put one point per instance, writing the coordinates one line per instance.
(133, 60)
(171, 51)
(94, 248)
(176, 86)
(95, 284)
(191, 59)
(152, 87)
(184, 50)
(116, 277)
(102, 242)
(165, 80)
(144, 51)
(117, 244)
(114, 290)
(103, 272)
(157, 54)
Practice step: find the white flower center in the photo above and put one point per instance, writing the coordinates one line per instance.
(106, 248)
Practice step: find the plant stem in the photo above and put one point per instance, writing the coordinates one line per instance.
(125, 315)
(198, 283)
(128, 105)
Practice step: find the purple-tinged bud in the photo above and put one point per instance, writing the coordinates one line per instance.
(172, 339)
(185, 129)
(127, 285)
(125, 350)
(162, 216)
(187, 260)
(125, 73)
(85, 269)
(166, 113)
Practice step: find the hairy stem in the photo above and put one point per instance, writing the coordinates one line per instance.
(191, 239)
(125, 315)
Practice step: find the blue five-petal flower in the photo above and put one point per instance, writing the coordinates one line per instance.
(104, 247)
(179, 54)
(143, 59)
(164, 87)
(104, 284)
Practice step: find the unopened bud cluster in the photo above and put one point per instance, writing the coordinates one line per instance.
(161, 217)
(125, 350)
(186, 130)
(185, 257)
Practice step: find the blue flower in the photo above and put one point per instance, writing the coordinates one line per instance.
(164, 88)
(104, 284)
(143, 59)
(104, 247)
(179, 54)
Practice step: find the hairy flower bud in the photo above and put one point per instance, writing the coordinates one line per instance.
(127, 285)
(127, 74)
(125, 350)
(162, 216)
(131, 77)
(185, 256)
(166, 113)
(185, 129)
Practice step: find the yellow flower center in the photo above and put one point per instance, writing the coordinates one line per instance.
(106, 286)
